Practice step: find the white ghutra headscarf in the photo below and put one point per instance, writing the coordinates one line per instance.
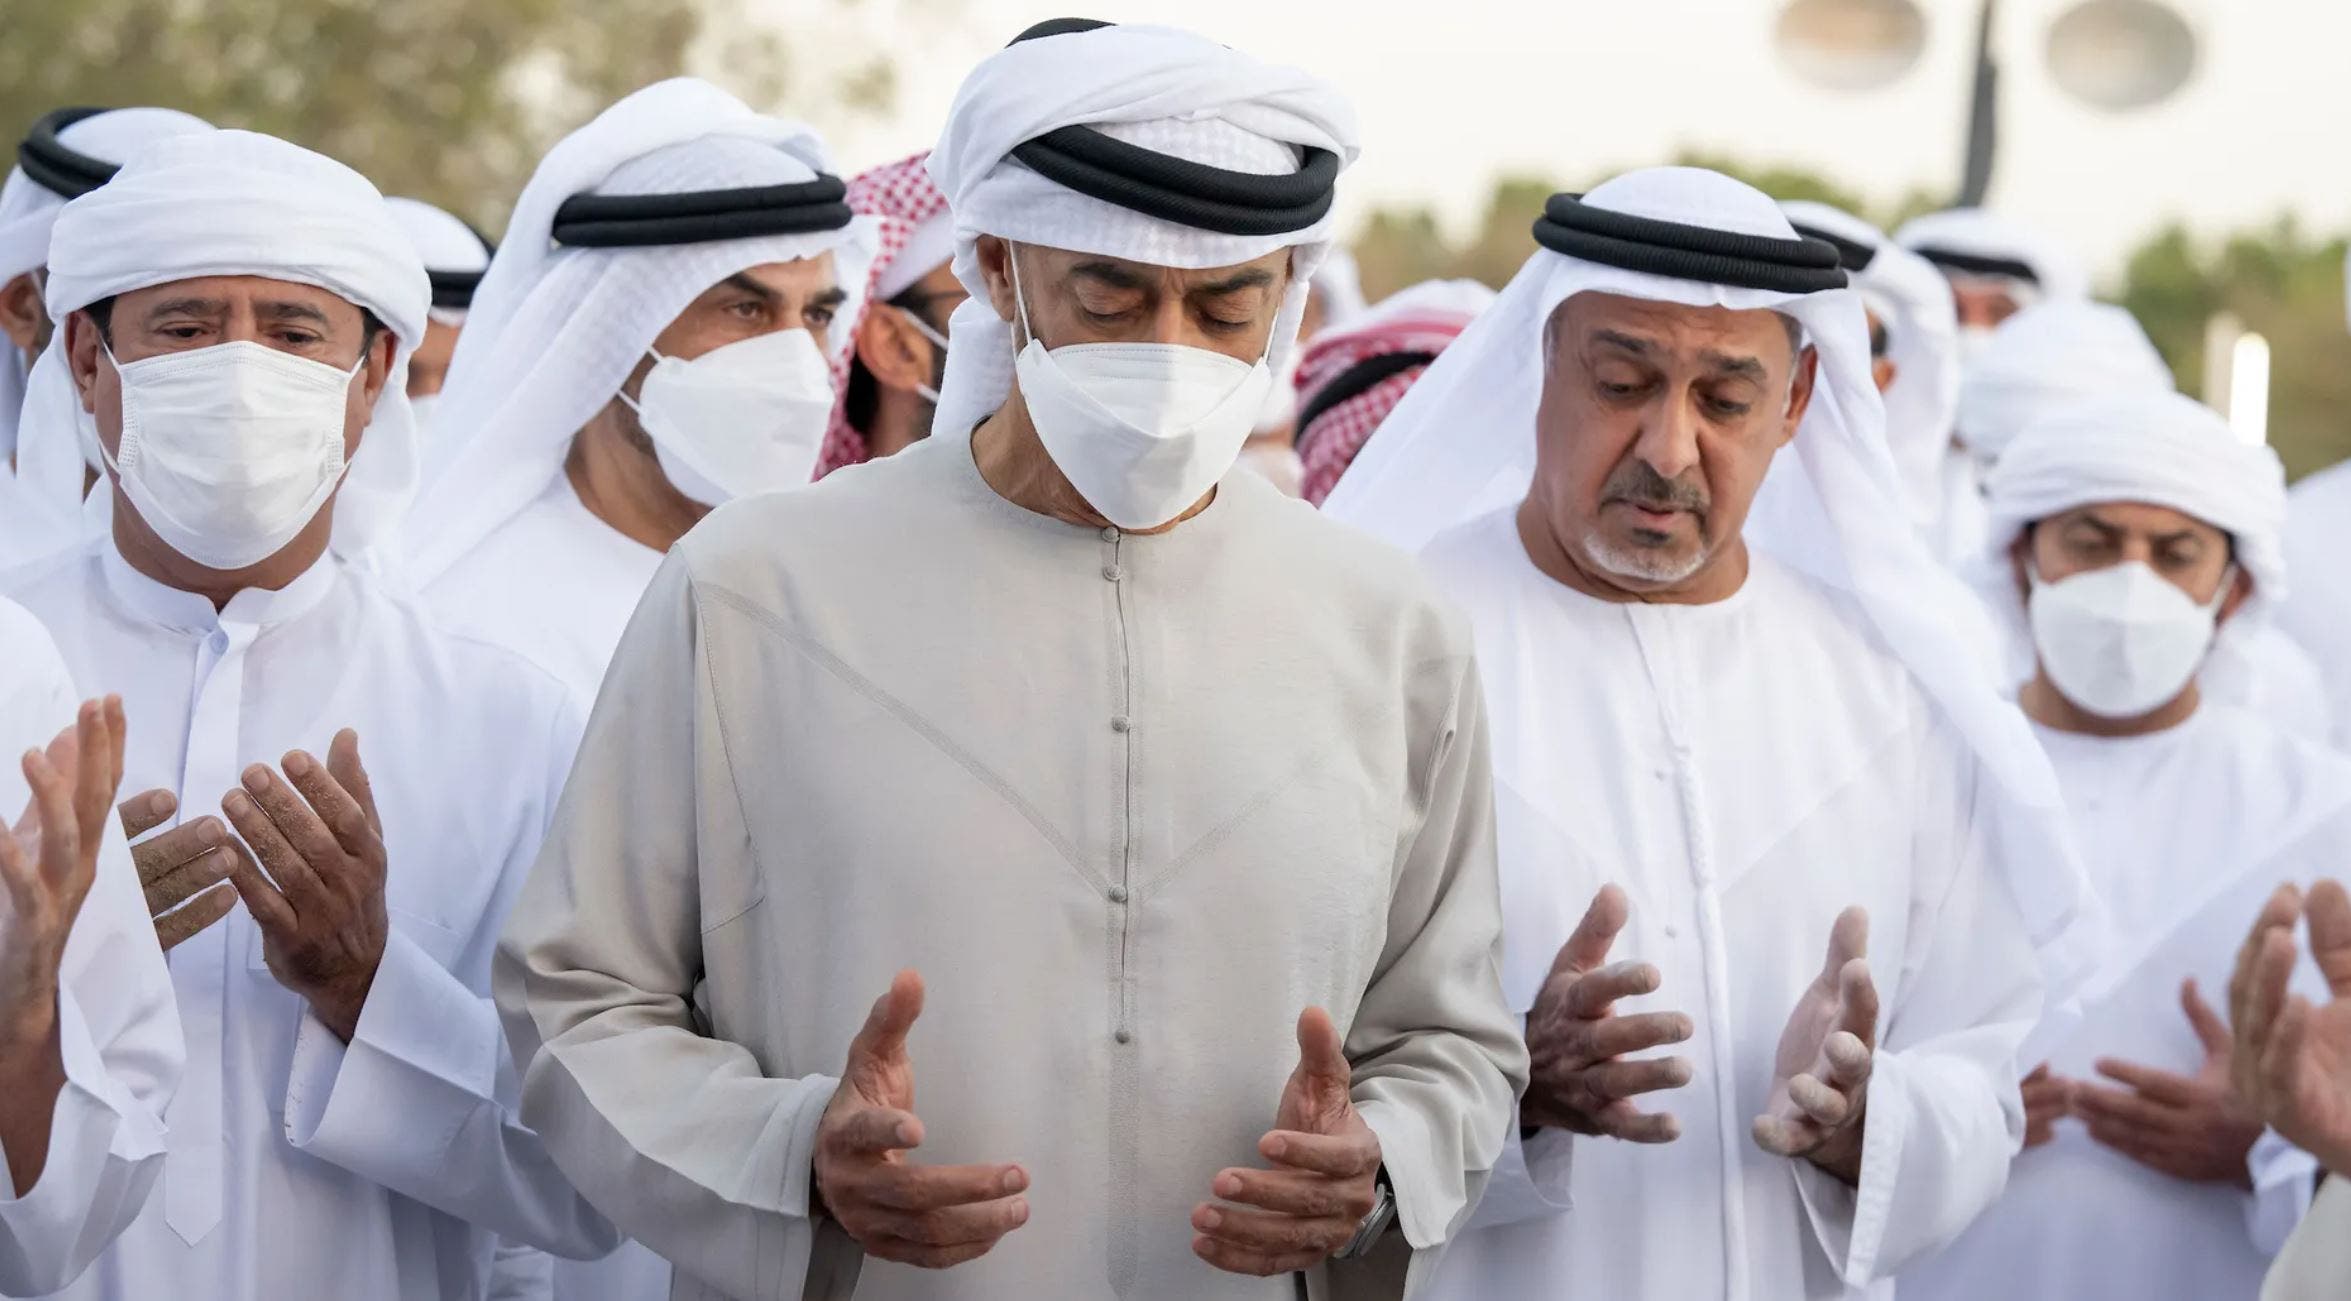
(1462, 444)
(554, 331)
(1161, 88)
(231, 203)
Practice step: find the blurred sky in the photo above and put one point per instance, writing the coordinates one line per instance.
(1455, 92)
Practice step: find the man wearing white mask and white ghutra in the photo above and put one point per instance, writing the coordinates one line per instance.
(650, 341)
(233, 316)
(2129, 527)
(66, 154)
(1158, 798)
(1729, 743)
(2056, 355)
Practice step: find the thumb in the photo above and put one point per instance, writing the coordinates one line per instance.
(1587, 949)
(2209, 1027)
(883, 1038)
(1848, 939)
(1322, 1058)
(2328, 910)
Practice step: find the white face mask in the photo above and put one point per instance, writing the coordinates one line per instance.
(2121, 642)
(1974, 340)
(1143, 430)
(228, 451)
(745, 418)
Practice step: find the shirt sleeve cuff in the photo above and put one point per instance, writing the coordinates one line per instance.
(1530, 1179)
(1424, 1210)
(104, 1148)
(1850, 1223)
(2284, 1177)
(422, 1060)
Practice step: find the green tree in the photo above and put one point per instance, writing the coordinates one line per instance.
(447, 100)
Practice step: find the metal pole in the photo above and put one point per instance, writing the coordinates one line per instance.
(1983, 119)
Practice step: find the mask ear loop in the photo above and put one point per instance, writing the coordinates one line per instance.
(1020, 300)
(937, 340)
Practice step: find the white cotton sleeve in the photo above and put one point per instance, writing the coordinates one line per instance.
(426, 1098)
(1944, 1113)
(119, 1037)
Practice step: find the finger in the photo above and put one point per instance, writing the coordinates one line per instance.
(158, 856)
(333, 806)
(2160, 1086)
(1820, 1103)
(118, 738)
(2097, 1102)
(2279, 912)
(1787, 1135)
(1587, 946)
(299, 826)
(98, 773)
(175, 887)
(1322, 1059)
(53, 806)
(1626, 1079)
(1290, 1192)
(1620, 1036)
(1857, 1002)
(936, 1187)
(951, 1226)
(1241, 1260)
(1276, 1235)
(875, 1131)
(1622, 1120)
(2273, 970)
(343, 764)
(1849, 1059)
(2038, 1074)
(2132, 1142)
(883, 1037)
(1342, 1156)
(2329, 911)
(1593, 994)
(182, 924)
(2209, 1027)
(270, 910)
(293, 876)
(146, 811)
(2281, 1060)
(1848, 939)
(903, 1252)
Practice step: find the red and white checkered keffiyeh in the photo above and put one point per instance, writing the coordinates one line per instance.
(900, 197)
(1424, 318)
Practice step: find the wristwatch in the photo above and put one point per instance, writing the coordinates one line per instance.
(1368, 1233)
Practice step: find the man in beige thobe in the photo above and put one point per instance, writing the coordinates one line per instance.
(1173, 792)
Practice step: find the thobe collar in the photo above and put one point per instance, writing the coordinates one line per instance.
(1221, 515)
(149, 601)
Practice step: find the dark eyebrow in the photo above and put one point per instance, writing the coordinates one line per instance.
(1110, 273)
(1248, 278)
(742, 280)
(1723, 363)
(832, 297)
(2104, 529)
(1628, 342)
(187, 307)
(293, 311)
